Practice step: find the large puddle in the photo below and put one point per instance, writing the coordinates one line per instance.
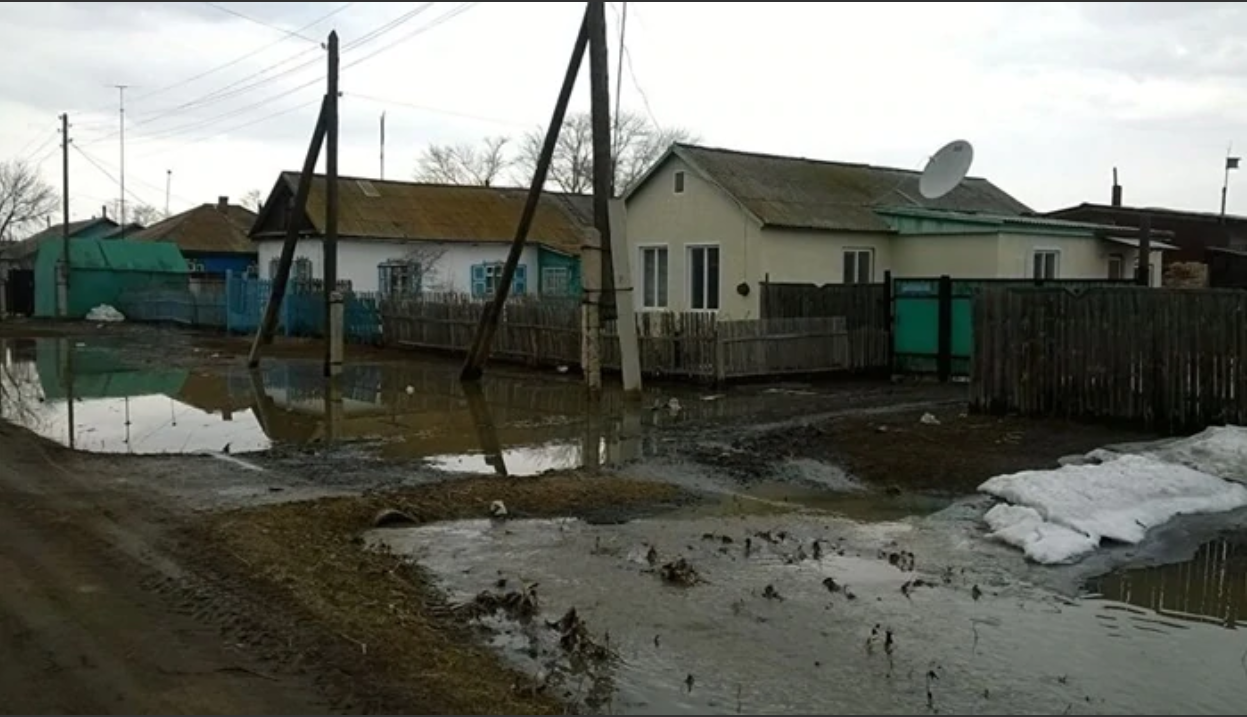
(85, 397)
(764, 631)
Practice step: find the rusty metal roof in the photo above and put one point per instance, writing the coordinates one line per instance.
(209, 228)
(800, 193)
(387, 209)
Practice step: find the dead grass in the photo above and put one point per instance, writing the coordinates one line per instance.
(408, 642)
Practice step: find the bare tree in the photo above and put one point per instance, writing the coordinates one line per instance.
(136, 213)
(26, 201)
(253, 200)
(481, 165)
(637, 141)
(417, 267)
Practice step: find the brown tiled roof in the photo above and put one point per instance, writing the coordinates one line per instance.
(206, 228)
(804, 193)
(439, 212)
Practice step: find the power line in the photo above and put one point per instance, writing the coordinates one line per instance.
(247, 56)
(265, 118)
(422, 29)
(262, 23)
(100, 167)
(233, 89)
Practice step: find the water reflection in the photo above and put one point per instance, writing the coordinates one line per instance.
(89, 398)
(1211, 587)
(86, 399)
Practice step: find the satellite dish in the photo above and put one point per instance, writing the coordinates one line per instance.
(946, 169)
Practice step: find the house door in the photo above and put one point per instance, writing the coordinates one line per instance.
(21, 292)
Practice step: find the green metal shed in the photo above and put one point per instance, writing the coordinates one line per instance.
(104, 269)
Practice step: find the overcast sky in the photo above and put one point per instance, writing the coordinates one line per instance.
(1053, 95)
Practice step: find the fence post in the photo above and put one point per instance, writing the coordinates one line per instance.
(890, 317)
(720, 358)
(944, 358)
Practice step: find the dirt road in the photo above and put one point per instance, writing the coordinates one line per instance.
(89, 622)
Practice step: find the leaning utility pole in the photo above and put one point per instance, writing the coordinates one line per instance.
(63, 289)
(333, 298)
(296, 215)
(478, 352)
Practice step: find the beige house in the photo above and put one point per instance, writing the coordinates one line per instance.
(707, 226)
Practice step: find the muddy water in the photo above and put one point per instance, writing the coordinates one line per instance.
(762, 633)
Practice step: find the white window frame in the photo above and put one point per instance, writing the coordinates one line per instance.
(688, 258)
(548, 277)
(660, 250)
(1056, 263)
(679, 182)
(854, 251)
(1121, 266)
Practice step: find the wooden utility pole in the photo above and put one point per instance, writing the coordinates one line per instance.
(478, 352)
(294, 225)
(594, 276)
(333, 298)
(63, 291)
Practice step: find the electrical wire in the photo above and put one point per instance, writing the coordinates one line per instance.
(437, 110)
(262, 23)
(229, 130)
(233, 89)
(418, 31)
(99, 166)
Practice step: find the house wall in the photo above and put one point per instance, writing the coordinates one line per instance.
(358, 260)
(700, 215)
(801, 255)
(1080, 257)
(969, 256)
(220, 263)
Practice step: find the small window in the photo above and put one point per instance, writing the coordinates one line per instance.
(859, 266)
(654, 277)
(704, 278)
(1046, 264)
(1116, 264)
(367, 188)
(679, 182)
(485, 278)
(556, 281)
(400, 277)
(273, 265)
(302, 269)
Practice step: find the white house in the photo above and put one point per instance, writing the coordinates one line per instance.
(405, 237)
(706, 226)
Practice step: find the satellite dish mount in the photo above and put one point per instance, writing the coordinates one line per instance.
(946, 169)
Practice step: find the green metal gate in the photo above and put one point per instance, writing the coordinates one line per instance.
(933, 320)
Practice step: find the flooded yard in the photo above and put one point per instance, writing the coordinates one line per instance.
(784, 548)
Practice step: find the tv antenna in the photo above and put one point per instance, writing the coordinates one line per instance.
(946, 169)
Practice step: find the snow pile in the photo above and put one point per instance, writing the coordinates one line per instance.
(1059, 515)
(1219, 451)
(105, 313)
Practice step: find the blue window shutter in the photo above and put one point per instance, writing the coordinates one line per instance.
(478, 281)
(519, 284)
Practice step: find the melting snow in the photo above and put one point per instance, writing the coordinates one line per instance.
(1057, 516)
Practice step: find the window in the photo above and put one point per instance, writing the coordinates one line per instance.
(556, 281)
(678, 182)
(302, 269)
(1047, 264)
(367, 188)
(859, 266)
(703, 262)
(273, 264)
(1116, 264)
(654, 277)
(399, 276)
(485, 277)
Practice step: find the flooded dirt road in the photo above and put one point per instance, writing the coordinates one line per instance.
(188, 536)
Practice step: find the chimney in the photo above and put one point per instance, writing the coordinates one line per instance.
(104, 210)
(222, 203)
(1116, 189)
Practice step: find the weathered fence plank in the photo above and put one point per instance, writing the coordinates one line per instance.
(1171, 359)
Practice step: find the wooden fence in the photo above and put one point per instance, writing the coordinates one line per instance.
(1169, 359)
(690, 344)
